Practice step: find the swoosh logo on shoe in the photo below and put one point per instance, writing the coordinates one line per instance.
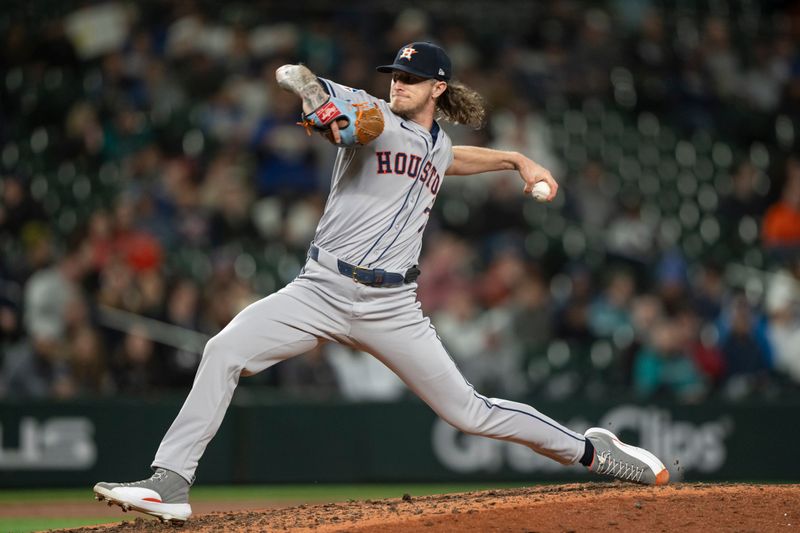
(154, 500)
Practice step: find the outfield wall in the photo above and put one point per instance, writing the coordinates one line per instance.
(74, 444)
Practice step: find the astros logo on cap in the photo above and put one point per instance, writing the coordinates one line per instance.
(407, 52)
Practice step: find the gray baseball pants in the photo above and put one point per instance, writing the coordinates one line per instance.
(323, 305)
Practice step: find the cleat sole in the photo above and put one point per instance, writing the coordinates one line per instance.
(125, 506)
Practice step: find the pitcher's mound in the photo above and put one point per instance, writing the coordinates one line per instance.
(577, 507)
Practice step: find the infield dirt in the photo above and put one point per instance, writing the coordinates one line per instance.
(581, 507)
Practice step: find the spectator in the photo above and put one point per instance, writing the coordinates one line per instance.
(446, 268)
(662, 367)
(522, 128)
(611, 310)
(285, 164)
(88, 374)
(116, 286)
(783, 329)
(646, 312)
(125, 134)
(672, 280)
(790, 106)
(18, 211)
(594, 55)
(503, 274)
(32, 368)
(695, 93)
(99, 240)
(48, 293)
(746, 359)
(593, 197)
(231, 220)
(781, 225)
(37, 366)
(10, 323)
(763, 81)
(532, 314)
(139, 249)
(175, 215)
(629, 236)
(744, 200)
(85, 137)
(135, 367)
(572, 313)
(151, 290)
(654, 61)
(720, 58)
(11, 335)
(182, 309)
(701, 346)
(708, 291)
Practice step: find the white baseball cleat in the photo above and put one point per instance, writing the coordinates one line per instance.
(165, 495)
(614, 458)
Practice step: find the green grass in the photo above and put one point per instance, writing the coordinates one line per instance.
(267, 493)
(28, 524)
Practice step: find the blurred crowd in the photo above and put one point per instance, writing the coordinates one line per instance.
(154, 182)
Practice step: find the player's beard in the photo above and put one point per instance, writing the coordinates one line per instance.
(405, 108)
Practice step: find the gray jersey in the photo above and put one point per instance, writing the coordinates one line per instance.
(382, 193)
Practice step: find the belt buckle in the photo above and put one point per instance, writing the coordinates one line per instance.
(355, 272)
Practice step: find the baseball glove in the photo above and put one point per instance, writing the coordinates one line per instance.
(364, 121)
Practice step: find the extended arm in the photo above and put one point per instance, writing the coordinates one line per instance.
(302, 82)
(469, 160)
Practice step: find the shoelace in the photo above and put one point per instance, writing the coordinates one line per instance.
(134, 483)
(617, 468)
(160, 475)
(308, 125)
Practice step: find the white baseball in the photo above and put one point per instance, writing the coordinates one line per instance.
(541, 191)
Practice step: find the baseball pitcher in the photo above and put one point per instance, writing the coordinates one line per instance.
(358, 285)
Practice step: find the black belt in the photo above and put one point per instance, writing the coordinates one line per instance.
(374, 277)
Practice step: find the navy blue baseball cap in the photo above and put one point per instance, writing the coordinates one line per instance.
(422, 59)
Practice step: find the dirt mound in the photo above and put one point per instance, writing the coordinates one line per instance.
(577, 507)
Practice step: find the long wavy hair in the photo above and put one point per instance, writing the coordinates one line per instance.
(461, 105)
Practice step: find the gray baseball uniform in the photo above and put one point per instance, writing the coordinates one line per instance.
(380, 198)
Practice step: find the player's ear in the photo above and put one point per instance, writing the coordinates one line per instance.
(439, 88)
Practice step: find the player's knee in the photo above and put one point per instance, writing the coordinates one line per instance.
(224, 350)
(216, 346)
(472, 417)
(462, 422)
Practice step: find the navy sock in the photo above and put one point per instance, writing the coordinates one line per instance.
(588, 454)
